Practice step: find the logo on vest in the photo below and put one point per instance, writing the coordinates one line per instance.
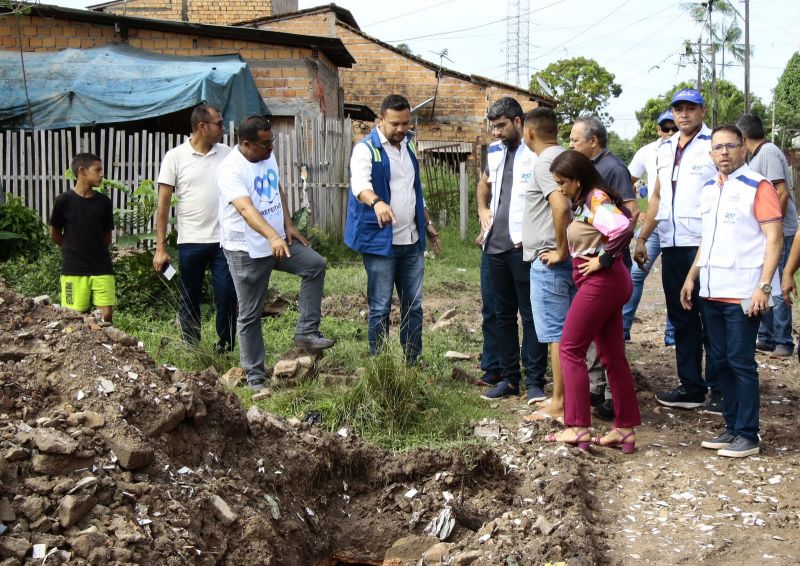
(266, 186)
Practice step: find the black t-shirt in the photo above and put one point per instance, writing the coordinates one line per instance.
(85, 223)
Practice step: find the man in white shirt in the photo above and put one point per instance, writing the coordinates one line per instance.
(644, 163)
(188, 171)
(258, 235)
(387, 223)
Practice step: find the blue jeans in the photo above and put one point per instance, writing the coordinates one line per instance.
(512, 293)
(489, 360)
(732, 346)
(776, 323)
(403, 270)
(638, 275)
(193, 259)
(552, 291)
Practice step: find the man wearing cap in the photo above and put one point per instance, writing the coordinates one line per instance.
(644, 163)
(683, 165)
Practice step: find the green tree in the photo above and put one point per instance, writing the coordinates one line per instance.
(725, 33)
(581, 86)
(620, 147)
(787, 98)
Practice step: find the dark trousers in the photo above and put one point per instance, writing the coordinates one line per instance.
(511, 284)
(732, 346)
(193, 260)
(489, 361)
(689, 337)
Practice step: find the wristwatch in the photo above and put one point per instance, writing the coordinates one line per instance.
(766, 288)
(375, 201)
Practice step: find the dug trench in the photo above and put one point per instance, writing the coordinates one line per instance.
(108, 458)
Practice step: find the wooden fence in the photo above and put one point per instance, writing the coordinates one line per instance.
(32, 164)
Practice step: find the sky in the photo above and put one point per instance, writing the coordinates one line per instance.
(639, 41)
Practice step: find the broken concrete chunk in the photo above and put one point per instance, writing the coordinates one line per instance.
(167, 420)
(51, 441)
(285, 368)
(73, 508)
(408, 549)
(58, 465)
(7, 514)
(118, 336)
(222, 511)
(12, 547)
(86, 418)
(87, 541)
(125, 530)
(255, 416)
(452, 355)
(131, 453)
(233, 377)
(33, 507)
(42, 300)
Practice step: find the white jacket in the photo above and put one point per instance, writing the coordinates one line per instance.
(524, 160)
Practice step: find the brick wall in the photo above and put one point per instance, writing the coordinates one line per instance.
(198, 11)
(287, 77)
(460, 112)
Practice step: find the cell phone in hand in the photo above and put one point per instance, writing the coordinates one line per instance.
(168, 271)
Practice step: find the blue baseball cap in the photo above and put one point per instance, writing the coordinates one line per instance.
(666, 116)
(688, 95)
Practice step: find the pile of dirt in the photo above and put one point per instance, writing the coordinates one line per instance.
(107, 458)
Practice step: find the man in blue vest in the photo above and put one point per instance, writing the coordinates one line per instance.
(387, 223)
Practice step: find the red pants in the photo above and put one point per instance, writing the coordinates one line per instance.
(596, 315)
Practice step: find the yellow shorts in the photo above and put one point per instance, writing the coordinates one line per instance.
(80, 292)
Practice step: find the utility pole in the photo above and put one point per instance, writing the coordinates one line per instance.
(699, 64)
(746, 56)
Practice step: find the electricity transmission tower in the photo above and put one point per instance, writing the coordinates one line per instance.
(517, 36)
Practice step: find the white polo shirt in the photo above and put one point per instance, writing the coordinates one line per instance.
(192, 176)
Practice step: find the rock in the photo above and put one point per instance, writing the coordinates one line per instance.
(84, 483)
(294, 422)
(42, 300)
(33, 507)
(451, 355)
(437, 553)
(233, 377)
(118, 336)
(39, 484)
(87, 541)
(86, 418)
(16, 453)
(167, 420)
(59, 465)
(125, 531)
(445, 320)
(222, 511)
(255, 416)
(408, 550)
(285, 368)
(13, 547)
(7, 514)
(51, 441)
(490, 430)
(465, 558)
(73, 508)
(544, 526)
(261, 395)
(459, 374)
(131, 453)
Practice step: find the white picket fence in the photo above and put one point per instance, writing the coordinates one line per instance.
(33, 164)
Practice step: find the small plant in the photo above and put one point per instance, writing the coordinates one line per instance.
(22, 234)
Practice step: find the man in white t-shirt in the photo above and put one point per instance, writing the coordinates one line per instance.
(258, 235)
(189, 171)
(644, 163)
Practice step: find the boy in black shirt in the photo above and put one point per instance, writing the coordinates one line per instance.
(81, 224)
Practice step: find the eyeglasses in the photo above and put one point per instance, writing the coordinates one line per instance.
(669, 129)
(728, 146)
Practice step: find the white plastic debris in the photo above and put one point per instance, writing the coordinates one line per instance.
(106, 386)
(39, 550)
(442, 525)
(411, 493)
(344, 432)
(80, 395)
(185, 470)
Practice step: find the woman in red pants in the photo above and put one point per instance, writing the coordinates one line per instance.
(600, 230)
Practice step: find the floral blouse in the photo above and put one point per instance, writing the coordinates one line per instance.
(598, 227)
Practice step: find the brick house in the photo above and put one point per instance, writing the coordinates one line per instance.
(295, 74)
(199, 11)
(458, 112)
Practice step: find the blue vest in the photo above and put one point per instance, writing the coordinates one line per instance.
(361, 231)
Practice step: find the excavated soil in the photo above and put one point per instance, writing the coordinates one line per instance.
(107, 458)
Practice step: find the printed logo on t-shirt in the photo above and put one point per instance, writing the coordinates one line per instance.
(266, 186)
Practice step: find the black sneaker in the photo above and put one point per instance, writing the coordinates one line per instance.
(490, 379)
(739, 448)
(722, 441)
(605, 410)
(681, 399)
(714, 405)
(597, 399)
(763, 346)
(502, 389)
(315, 341)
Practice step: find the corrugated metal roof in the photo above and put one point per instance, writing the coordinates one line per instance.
(451, 146)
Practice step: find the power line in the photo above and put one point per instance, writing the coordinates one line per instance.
(415, 12)
(476, 27)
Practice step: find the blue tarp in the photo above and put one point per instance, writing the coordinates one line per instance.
(119, 83)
